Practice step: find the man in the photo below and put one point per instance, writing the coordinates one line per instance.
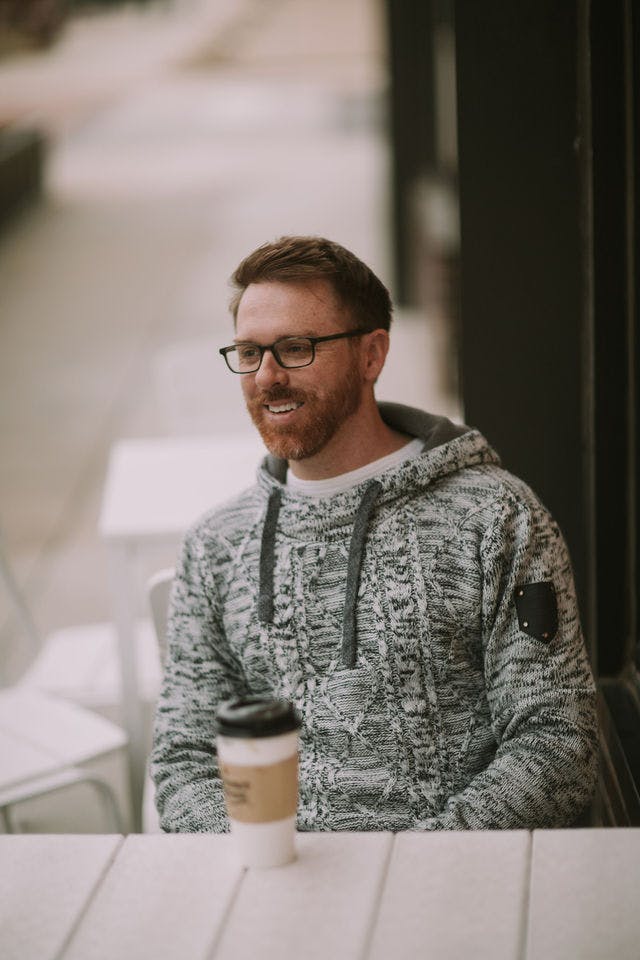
(413, 599)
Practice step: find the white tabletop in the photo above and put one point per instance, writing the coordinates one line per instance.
(564, 893)
(45, 885)
(157, 487)
(585, 895)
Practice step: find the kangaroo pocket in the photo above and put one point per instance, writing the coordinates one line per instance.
(355, 752)
(350, 714)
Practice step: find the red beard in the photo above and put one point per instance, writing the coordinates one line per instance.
(315, 422)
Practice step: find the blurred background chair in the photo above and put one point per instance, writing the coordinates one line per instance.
(158, 593)
(62, 768)
(80, 664)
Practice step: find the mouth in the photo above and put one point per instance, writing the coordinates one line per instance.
(280, 408)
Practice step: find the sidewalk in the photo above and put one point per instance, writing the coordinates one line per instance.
(201, 129)
(103, 53)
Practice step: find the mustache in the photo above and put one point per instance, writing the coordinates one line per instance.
(278, 393)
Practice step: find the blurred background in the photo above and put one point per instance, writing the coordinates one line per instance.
(176, 137)
(482, 158)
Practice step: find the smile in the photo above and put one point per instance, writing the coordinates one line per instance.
(282, 407)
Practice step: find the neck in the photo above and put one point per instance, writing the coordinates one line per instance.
(361, 439)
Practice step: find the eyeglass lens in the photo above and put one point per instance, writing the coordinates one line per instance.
(291, 352)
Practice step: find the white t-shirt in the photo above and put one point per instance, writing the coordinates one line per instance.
(332, 485)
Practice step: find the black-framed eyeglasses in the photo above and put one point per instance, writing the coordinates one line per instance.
(289, 352)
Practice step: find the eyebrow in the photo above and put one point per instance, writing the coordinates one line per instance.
(284, 336)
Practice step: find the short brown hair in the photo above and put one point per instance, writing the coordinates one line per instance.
(300, 259)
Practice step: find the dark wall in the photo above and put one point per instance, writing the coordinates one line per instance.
(548, 170)
(614, 218)
(521, 159)
(411, 121)
(548, 102)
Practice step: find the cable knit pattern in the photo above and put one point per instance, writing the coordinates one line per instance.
(452, 716)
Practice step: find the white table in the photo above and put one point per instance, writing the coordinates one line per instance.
(570, 894)
(155, 488)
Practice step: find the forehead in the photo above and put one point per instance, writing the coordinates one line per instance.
(274, 309)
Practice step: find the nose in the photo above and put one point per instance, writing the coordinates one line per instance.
(270, 372)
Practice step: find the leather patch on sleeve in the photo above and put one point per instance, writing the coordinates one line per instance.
(537, 610)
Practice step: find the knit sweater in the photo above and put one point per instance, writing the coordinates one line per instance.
(425, 626)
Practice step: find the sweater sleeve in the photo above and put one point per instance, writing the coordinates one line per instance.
(200, 672)
(539, 685)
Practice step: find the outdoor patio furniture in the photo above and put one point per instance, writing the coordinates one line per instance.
(490, 895)
(155, 488)
(52, 752)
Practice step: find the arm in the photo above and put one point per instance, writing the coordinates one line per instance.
(200, 672)
(540, 691)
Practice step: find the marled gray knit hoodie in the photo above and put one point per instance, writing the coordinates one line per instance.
(388, 614)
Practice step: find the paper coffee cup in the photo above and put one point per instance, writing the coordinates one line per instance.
(257, 742)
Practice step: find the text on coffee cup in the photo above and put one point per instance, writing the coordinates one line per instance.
(261, 794)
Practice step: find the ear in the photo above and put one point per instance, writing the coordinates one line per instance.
(374, 353)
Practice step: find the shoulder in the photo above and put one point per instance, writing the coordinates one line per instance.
(502, 489)
(499, 505)
(226, 523)
(517, 524)
(487, 488)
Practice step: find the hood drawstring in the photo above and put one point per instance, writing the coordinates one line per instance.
(356, 549)
(267, 559)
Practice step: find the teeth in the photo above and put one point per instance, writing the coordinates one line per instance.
(283, 408)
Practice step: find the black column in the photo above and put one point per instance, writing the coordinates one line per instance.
(548, 173)
(522, 247)
(412, 118)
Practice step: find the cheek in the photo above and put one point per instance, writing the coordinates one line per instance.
(247, 386)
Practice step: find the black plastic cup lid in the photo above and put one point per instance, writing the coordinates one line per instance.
(256, 717)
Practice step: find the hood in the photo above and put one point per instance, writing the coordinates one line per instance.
(448, 448)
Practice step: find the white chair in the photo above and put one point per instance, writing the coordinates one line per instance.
(57, 759)
(81, 664)
(62, 770)
(158, 593)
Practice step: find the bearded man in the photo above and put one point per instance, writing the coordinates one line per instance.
(413, 599)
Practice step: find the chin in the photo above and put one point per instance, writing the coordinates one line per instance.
(286, 448)
(291, 446)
